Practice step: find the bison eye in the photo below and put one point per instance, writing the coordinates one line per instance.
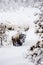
(22, 36)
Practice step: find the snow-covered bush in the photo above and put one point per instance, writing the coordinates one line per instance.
(2, 33)
(39, 26)
(35, 53)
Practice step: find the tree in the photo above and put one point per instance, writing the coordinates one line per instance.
(2, 32)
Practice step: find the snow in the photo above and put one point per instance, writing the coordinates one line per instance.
(12, 55)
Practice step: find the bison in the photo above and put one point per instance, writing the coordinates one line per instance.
(18, 39)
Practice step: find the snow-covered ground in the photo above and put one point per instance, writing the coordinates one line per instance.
(13, 56)
(16, 55)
